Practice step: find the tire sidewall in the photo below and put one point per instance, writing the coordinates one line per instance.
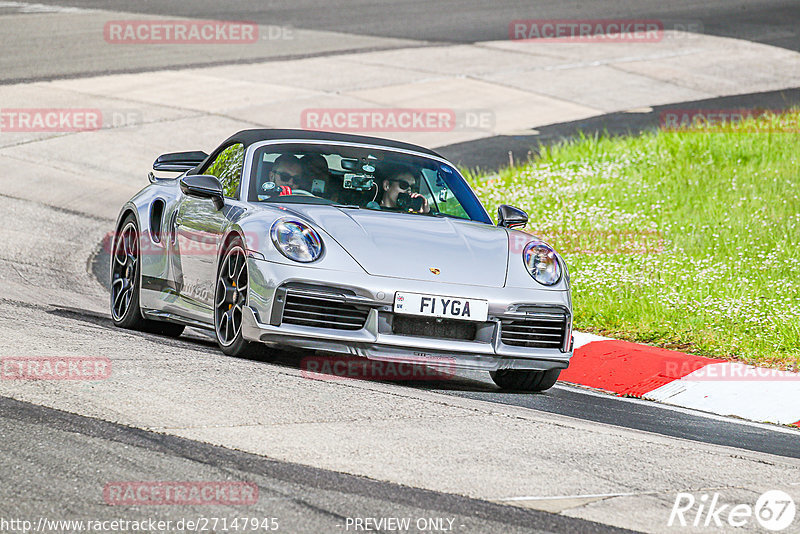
(524, 380)
(239, 345)
(132, 318)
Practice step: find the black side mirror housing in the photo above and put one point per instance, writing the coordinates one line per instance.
(179, 161)
(511, 217)
(203, 186)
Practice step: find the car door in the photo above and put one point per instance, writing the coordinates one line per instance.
(199, 227)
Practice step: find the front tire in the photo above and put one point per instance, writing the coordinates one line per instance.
(230, 296)
(517, 380)
(125, 265)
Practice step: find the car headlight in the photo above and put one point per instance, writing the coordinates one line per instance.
(542, 263)
(296, 240)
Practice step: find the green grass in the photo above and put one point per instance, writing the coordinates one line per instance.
(687, 240)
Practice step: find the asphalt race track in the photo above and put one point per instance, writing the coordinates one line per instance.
(303, 499)
(321, 452)
(378, 25)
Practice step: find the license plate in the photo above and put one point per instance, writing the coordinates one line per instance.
(439, 306)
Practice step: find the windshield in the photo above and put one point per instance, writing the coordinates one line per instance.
(363, 178)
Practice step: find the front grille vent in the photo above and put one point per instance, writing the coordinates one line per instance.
(321, 312)
(540, 329)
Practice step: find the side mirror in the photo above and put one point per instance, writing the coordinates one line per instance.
(203, 186)
(511, 217)
(179, 161)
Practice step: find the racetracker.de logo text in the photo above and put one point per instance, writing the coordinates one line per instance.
(54, 368)
(734, 120)
(353, 368)
(180, 32)
(379, 120)
(50, 120)
(586, 31)
(180, 493)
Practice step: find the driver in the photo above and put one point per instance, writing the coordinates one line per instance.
(400, 182)
(286, 171)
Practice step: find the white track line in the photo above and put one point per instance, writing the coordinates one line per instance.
(589, 496)
(680, 409)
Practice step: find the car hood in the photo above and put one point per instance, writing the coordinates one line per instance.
(417, 247)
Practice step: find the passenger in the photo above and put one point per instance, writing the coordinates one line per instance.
(316, 175)
(400, 184)
(287, 171)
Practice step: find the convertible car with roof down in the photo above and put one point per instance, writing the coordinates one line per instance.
(345, 244)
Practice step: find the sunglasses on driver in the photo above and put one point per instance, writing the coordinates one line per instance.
(285, 176)
(404, 186)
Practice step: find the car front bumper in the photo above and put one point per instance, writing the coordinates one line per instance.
(270, 282)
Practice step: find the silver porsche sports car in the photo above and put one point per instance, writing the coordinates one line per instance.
(341, 244)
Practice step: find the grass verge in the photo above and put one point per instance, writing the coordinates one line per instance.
(681, 239)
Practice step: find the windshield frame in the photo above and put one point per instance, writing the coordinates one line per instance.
(254, 147)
